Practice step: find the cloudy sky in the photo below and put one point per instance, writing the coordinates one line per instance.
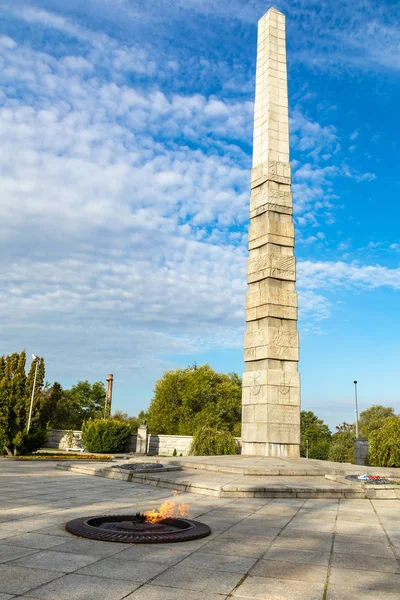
(125, 132)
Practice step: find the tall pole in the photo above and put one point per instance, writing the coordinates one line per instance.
(33, 392)
(107, 406)
(355, 392)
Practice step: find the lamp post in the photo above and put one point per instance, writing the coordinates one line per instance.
(33, 391)
(356, 411)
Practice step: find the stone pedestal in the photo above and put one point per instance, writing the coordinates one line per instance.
(141, 439)
(271, 382)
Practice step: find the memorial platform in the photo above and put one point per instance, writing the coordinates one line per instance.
(253, 477)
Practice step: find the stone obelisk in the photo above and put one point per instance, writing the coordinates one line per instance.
(271, 383)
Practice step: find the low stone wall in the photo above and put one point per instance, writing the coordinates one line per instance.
(132, 444)
(166, 444)
(56, 438)
(156, 444)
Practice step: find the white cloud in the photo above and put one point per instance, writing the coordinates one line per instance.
(123, 211)
(329, 275)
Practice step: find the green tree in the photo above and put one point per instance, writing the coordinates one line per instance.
(184, 399)
(342, 446)
(314, 431)
(51, 399)
(15, 398)
(81, 402)
(373, 418)
(384, 444)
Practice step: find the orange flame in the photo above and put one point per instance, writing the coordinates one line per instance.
(167, 510)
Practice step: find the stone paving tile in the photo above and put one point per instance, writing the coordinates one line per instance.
(124, 569)
(152, 592)
(366, 563)
(263, 588)
(314, 544)
(220, 562)
(383, 550)
(297, 556)
(361, 529)
(356, 517)
(279, 511)
(310, 527)
(338, 593)
(34, 540)
(8, 552)
(82, 587)
(234, 536)
(5, 596)
(18, 580)
(206, 580)
(64, 562)
(57, 530)
(86, 546)
(370, 580)
(361, 539)
(239, 548)
(297, 534)
(158, 554)
(252, 528)
(292, 571)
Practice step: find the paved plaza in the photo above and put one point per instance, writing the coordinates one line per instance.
(264, 549)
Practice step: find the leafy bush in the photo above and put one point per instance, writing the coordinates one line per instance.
(211, 442)
(384, 444)
(342, 447)
(99, 435)
(33, 440)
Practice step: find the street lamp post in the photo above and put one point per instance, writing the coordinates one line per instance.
(356, 411)
(33, 391)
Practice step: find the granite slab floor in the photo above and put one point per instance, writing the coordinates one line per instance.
(264, 549)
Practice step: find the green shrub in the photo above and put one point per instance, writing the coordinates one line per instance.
(26, 443)
(211, 442)
(384, 444)
(100, 435)
(33, 440)
(342, 447)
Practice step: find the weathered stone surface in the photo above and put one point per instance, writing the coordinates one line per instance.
(273, 228)
(271, 383)
(271, 196)
(277, 266)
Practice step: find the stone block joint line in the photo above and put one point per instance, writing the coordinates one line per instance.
(271, 382)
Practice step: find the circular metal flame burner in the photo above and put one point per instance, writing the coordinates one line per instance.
(134, 529)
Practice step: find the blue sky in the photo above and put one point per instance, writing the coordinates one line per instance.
(126, 131)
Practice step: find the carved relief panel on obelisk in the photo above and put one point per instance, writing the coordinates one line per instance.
(271, 383)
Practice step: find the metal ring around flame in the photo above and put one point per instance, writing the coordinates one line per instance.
(122, 528)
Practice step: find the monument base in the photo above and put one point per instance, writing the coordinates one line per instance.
(270, 449)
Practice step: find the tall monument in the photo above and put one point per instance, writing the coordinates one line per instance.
(271, 382)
